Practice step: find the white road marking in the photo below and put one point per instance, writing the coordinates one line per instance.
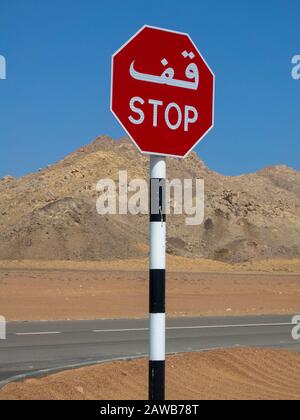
(207, 327)
(191, 327)
(200, 327)
(121, 330)
(40, 333)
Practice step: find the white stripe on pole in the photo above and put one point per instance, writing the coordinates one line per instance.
(157, 337)
(157, 245)
(157, 167)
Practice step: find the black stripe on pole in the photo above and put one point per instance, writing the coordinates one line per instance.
(157, 218)
(156, 380)
(157, 200)
(157, 291)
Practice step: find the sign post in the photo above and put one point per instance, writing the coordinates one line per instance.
(162, 93)
(157, 278)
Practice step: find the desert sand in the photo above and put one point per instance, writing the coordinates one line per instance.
(223, 375)
(119, 289)
(174, 263)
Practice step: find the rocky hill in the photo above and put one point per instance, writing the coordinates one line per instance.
(52, 214)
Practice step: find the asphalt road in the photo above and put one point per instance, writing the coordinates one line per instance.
(34, 346)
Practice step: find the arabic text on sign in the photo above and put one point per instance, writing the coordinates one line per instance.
(167, 77)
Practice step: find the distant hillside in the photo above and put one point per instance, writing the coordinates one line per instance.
(52, 214)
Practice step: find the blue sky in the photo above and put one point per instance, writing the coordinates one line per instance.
(56, 96)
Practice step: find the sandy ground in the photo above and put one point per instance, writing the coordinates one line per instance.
(174, 263)
(121, 291)
(225, 374)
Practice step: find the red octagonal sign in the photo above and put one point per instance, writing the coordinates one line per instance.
(162, 92)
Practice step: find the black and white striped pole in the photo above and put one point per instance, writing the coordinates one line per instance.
(157, 278)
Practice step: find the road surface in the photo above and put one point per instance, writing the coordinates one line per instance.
(34, 346)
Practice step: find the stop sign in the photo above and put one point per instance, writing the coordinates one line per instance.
(162, 92)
